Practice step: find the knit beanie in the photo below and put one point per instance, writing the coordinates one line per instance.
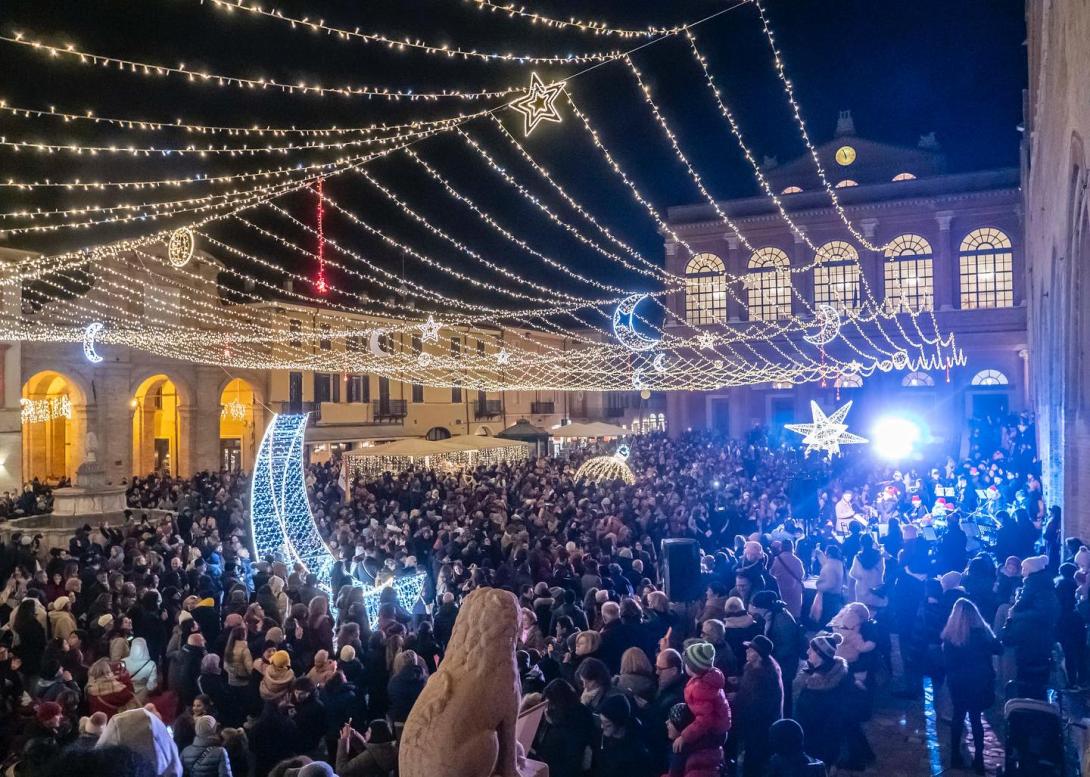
(1034, 564)
(317, 769)
(92, 726)
(786, 737)
(616, 709)
(681, 716)
(105, 621)
(950, 581)
(280, 659)
(47, 710)
(700, 656)
(205, 726)
(348, 653)
(207, 602)
(825, 644)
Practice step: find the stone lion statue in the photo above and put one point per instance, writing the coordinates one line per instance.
(463, 724)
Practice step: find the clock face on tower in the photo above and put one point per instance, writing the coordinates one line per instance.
(845, 155)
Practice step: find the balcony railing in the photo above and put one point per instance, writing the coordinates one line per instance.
(389, 410)
(487, 408)
(543, 408)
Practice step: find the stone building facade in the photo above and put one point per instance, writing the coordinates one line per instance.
(956, 249)
(1055, 160)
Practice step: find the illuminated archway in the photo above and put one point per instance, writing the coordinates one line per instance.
(54, 424)
(237, 425)
(156, 427)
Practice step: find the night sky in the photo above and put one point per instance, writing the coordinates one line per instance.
(957, 69)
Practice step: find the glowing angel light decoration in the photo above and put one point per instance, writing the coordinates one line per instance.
(826, 433)
(539, 104)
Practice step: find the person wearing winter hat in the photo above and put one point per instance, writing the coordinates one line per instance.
(90, 729)
(206, 757)
(1031, 622)
(825, 700)
(316, 769)
(144, 733)
(61, 620)
(786, 740)
(623, 751)
(739, 627)
(705, 697)
(278, 677)
(757, 704)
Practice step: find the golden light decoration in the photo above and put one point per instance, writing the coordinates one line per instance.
(180, 247)
(540, 104)
(605, 469)
(35, 411)
(234, 410)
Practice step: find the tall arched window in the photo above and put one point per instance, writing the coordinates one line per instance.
(909, 274)
(987, 276)
(705, 290)
(836, 276)
(768, 285)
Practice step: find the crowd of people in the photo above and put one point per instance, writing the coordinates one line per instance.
(162, 647)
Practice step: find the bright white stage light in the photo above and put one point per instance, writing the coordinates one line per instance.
(895, 438)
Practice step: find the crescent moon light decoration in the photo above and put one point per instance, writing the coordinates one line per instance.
(828, 326)
(376, 342)
(281, 522)
(89, 335)
(659, 363)
(637, 378)
(623, 329)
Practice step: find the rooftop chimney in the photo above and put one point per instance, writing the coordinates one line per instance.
(845, 125)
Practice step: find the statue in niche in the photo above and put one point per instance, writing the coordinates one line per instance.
(91, 445)
(463, 724)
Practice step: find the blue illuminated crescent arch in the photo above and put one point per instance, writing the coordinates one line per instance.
(282, 524)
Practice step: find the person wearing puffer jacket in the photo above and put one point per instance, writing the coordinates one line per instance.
(283, 604)
(61, 620)
(706, 699)
(206, 757)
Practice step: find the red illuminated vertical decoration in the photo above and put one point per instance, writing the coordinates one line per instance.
(321, 284)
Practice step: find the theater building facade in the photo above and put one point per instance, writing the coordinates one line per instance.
(953, 245)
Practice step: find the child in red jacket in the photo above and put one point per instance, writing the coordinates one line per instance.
(706, 700)
(695, 760)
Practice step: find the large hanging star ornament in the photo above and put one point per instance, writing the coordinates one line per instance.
(826, 433)
(539, 104)
(429, 330)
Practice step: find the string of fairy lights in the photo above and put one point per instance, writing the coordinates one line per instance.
(531, 333)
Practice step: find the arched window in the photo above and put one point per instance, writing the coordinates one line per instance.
(990, 378)
(846, 183)
(769, 285)
(904, 177)
(705, 290)
(850, 380)
(909, 274)
(987, 277)
(437, 433)
(917, 379)
(836, 276)
(792, 190)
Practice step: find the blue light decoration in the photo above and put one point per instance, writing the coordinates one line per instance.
(282, 524)
(623, 328)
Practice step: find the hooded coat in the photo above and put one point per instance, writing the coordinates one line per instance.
(708, 703)
(820, 708)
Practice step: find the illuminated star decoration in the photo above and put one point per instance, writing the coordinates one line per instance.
(826, 433)
(429, 330)
(706, 340)
(408, 590)
(503, 357)
(539, 104)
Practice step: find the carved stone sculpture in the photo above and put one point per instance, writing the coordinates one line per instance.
(463, 724)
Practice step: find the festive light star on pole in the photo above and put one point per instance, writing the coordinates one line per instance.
(540, 104)
(429, 330)
(826, 433)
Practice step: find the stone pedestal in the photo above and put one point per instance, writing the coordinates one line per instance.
(88, 501)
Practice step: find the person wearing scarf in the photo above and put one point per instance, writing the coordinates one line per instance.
(278, 677)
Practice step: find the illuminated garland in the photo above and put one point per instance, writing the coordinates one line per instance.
(36, 411)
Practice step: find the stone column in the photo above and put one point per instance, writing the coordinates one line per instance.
(204, 420)
(946, 271)
(803, 282)
(871, 263)
(113, 424)
(735, 267)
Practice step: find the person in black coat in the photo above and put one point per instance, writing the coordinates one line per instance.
(968, 646)
(308, 714)
(671, 691)
(444, 619)
(273, 737)
(622, 632)
(405, 685)
(338, 697)
(1070, 627)
(1031, 624)
(567, 735)
(185, 669)
(824, 696)
(622, 752)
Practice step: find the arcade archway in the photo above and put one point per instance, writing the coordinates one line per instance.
(54, 421)
(237, 425)
(156, 427)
